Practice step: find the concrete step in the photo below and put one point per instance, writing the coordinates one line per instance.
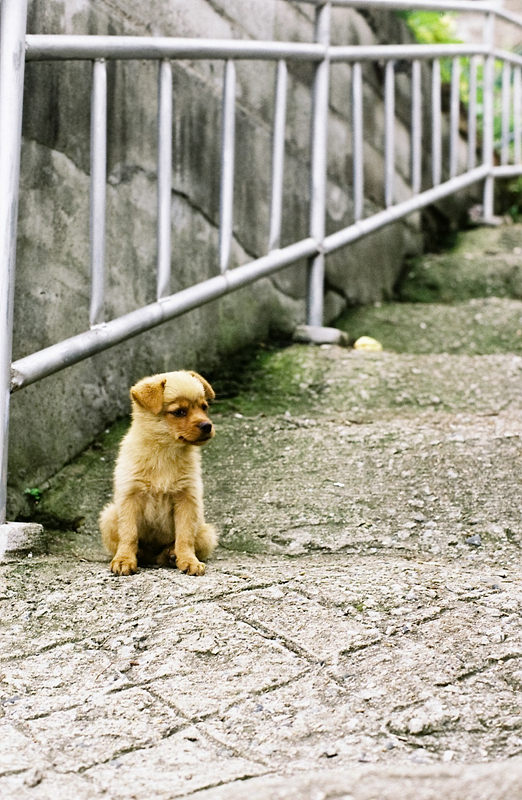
(479, 326)
(485, 262)
(464, 301)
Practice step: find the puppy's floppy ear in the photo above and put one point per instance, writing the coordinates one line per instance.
(209, 391)
(148, 393)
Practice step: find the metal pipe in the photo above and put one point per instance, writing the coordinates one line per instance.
(508, 171)
(56, 357)
(164, 176)
(505, 55)
(506, 110)
(436, 132)
(226, 205)
(64, 354)
(13, 14)
(362, 228)
(488, 117)
(416, 127)
(397, 52)
(358, 142)
(472, 113)
(98, 190)
(473, 6)
(389, 131)
(454, 117)
(88, 48)
(71, 47)
(278, 156)
(318, 168)
(517, 113)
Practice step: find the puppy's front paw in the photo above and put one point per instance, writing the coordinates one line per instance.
(124, 565)
(191, 566)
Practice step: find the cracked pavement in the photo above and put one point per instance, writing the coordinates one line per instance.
(357, 634)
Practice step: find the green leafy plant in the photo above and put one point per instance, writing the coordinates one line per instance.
(514, 198)
(34, 494)
(435, 27)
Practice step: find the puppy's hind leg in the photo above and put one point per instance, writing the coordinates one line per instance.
(204, 545)
(124, 517)
(108, 523)
(206, 541)
(167, 557)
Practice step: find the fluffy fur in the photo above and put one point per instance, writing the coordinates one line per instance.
(157, 511)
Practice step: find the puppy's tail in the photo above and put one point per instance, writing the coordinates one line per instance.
(206, 541)
(109, 527)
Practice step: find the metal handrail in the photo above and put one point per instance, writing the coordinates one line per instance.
(121, 48)
(473, 6)
(317, 245)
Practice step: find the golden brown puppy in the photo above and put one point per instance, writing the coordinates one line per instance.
(157, 511)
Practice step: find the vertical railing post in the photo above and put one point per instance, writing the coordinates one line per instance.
(13, 16)
(416, 127)
(98, 190)
(436, 124)
(517, 114)
(472, 113)
(358, 142)
(487, 117)
(227, 165)
(278, 156)
(454, 118)
(389, 133)
(506, 112)
(164, 176)
(318, 168)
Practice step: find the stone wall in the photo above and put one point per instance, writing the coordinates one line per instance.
(55, 419)
(470, 26)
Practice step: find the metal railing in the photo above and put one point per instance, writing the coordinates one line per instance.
(14, 43)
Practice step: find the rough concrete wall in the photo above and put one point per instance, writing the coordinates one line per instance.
(53, 420)
(470, 27)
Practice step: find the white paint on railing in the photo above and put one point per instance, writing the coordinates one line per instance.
(472, 113)
(164, 177)
(98, 191)
(226, 206)
(278, 156)
(13, 15)
(358, 141)
(454, 117)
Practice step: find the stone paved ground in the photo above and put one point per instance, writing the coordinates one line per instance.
(358, 634)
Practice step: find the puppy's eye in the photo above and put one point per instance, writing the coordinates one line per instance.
(179, 412)
(204, 406)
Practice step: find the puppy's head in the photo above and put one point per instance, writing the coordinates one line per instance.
(175, 403)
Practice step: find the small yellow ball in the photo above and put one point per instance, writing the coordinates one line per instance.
(369, 344)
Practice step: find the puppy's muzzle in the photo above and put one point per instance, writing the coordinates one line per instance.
(206, 432)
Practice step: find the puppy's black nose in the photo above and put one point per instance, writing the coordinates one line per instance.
(206, 427)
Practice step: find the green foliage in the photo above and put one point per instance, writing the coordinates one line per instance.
(431, 27)
(514, 199)
(435, 27)
(34, 494)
